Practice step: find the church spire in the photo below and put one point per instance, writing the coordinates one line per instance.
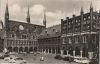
(7, 12)
(81, 10)
(28, 15)
(91, 7)
(44, 20)
(7, 18)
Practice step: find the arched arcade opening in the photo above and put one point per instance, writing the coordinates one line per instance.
(15, 49)
(77, 51)
(85, 51)
(10, 49)
(26, 49)
(70, 51)
(35, 49)
(31, 49)
(21, 49)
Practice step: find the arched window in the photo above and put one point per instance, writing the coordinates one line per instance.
(76, 40)
(69, 40)
(84, 18)
(33, 37)
(84, 39)
(63, 40)
(24, 36)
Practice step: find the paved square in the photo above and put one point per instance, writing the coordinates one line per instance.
(32, 59)
(48, 59)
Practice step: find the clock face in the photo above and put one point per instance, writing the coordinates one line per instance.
(21, 27)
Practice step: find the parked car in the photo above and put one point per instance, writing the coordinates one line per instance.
(93, 61)
(70, 59)
(19, 61)
(6, 55)
(82, 60)
(11, 61)
(58, 57)
(7, 58)
(35, 54)
(13, 53)
(38, 52)
(1, 57)
(31, 52)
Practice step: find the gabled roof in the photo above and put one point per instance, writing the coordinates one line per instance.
(15, 26)
(54, 31)
(17, 21)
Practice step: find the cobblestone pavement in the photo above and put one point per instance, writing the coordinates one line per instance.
(48, 59)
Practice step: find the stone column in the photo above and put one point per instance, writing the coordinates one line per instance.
(67, 52)
(55, 51)
(45, 51)
(90, 55)
(74, 53)
(81, 52)
(61, 52)
(48, 51)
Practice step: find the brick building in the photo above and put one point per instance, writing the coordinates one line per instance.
(20, 36)
(50, 40)
(80, 36)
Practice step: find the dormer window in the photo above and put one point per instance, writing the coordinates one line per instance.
(24, 37)
(69, 40)
(76, 21)
(53, 30)
(84, 18)
(88, 27)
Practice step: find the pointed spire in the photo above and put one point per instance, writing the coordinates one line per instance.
(28, 14)
(7, 11)
(81, 9)
(91, 6)
(44, 20)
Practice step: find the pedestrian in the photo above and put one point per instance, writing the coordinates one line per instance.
(42, 58)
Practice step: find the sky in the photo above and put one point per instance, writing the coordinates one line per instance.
(55, 9)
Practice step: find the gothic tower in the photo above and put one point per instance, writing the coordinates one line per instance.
(44, 20)
(6, 18)
(28, 15)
